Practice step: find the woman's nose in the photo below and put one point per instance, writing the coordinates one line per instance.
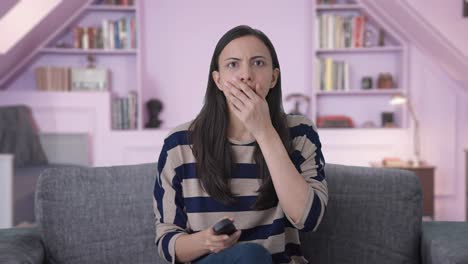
(246, 74)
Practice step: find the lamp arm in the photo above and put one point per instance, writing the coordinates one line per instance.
(417, 146)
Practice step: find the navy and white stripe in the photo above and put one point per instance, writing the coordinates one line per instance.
(182, 206)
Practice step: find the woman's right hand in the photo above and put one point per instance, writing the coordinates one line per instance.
(215, 243)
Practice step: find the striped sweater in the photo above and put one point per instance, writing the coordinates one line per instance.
(182, 206)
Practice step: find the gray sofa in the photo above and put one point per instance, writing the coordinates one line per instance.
(104, 215)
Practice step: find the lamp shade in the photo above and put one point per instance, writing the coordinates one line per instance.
(398, 99)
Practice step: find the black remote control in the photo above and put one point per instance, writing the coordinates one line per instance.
(224, 227)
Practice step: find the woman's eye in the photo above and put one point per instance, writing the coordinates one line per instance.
(232, 64)
(259, 63)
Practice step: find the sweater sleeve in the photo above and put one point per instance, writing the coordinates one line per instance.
(170, 217)
(309, 161)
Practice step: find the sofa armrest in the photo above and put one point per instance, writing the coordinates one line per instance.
(21, 245)
(6, 189)
(444, 242)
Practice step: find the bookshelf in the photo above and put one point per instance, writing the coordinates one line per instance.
(115, 47)
(345, 53)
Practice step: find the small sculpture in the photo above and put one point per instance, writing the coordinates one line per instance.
(91, 61)
(154, 107)
(366, 83)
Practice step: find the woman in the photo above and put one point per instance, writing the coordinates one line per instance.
(243, 158)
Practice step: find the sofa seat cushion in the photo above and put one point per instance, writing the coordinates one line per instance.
(445, 242)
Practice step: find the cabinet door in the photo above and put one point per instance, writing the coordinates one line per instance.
(426, 176)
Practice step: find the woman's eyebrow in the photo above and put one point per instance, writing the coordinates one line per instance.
(253, 58)
(258, 57)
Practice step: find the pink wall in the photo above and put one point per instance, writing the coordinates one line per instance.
(181, 36)
(446, 17)
(440, 105)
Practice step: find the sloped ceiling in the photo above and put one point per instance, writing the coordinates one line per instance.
(6, 5)
(408, 23)
(22, 53)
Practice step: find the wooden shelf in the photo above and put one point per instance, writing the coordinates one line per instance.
(89, 51)
(61, 97)
(111, 8)
(360, 50)
(362, 92)
(338, 7)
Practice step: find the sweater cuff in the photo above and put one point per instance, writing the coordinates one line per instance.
(300, 224)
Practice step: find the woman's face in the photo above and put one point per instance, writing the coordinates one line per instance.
(248, 60)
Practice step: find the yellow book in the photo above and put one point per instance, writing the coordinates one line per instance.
(328, 74)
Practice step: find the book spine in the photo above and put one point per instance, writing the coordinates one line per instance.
(111, 35)
(105, 34)
(114, 111)
(132, 29)
(135, 24)
(317, 32)
(126, 113)
(358, 31)
(121, 113)
(123, 33)
(328, 74)
(346, 77)
(331, 35)
(128, 33)
(116, 34)
(77, 36)
(85, 39)
(91, 38)
(317, 74)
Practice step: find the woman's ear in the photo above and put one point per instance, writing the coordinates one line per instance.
(274, 79)
(216, 79)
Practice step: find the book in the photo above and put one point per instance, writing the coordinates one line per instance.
(52, 78)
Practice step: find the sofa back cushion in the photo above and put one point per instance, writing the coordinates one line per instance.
(373, 216)
(105, 215)
(98, 215)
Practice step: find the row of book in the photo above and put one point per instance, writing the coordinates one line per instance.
(115, 2)
(125, 112)
(51, 78)
(119, 34)
(337, 31)
(333, 75)
(327, 2)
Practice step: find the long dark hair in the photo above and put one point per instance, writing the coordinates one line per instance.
(208, 132)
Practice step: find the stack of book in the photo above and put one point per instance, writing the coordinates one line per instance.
(51, 78)
(119, 34)
(115, 2)
(336, 31)
(125, 112)
(332, 75)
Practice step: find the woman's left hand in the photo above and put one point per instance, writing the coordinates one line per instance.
(249, 107)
